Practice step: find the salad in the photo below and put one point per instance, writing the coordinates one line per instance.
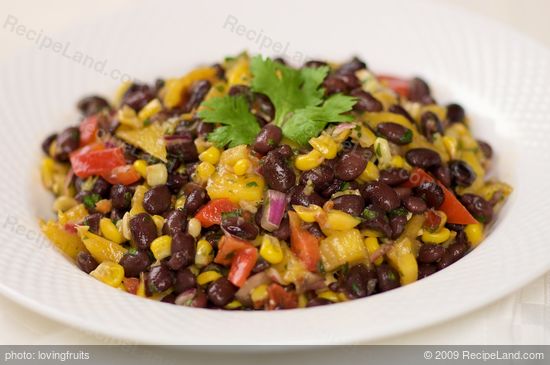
(254, 185)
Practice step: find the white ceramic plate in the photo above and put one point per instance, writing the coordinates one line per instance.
(502, 78)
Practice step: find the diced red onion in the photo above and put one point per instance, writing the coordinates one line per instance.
(342, 127)
(274, 210)
(243, 294)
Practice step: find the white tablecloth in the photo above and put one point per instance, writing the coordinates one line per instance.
(521, 318)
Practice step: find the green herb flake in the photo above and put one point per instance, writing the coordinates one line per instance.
(233, 214)
(398, 212)
(251, 184)
(91, 200)
(321, 267)
(147, 122)
(369, 214)
(407, 137)
(378, 150)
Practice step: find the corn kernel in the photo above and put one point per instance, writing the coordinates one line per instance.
(157, 174)
(339, 221)
(370, 173)
(397, 162)
(127, 116)
(126, 226)
(159, 222)
(47, 172)
(451, 145)
(110, 231)
(208, 277)
(407, 267)
(325, 145)
(109, 273)
(141, 167)
(211, 155)
(137, 200)
(180, 202)
(205, 170)
(271, 250)
(308, 214)
(194, 227)
(259, 293)
(372, 246)
(309, 161)
(235, 304)
(64, 203)
(302, 301)
(203, 255)
(437, 237)
(162, 247)
(241, 167)
(474, 233)
(329, 295)
(150, 109)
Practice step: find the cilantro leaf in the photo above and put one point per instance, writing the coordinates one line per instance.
(91, 200)
(239, 125)
(310, 121)
(288, 89)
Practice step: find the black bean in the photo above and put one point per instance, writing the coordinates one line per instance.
(355, 64)
(315, 64)
(443, 174)
(237, 90)
(376, 219)
(91, 105)
(159, 279)
(431, 193)
(315, 229)
(366, 102)
(221, 292)
(423, 157)
(196, 94)
(429, 253)
(300, 195)
(430, 125)
(480, 208)
(284, 150)
(182, 147)
(455, 227)
(117, 214)
(277, 172)
(351, 164)
(48, 143)
(283, 232)
(280, 60)
(239, 227)
(262, 107)
(394, 176)
(350, 203)
(183, 251)
(92, 221)
(461, 173)
(357, 280)
(261, 265)
(321, 177)
(176, 182)
(388, 278)
(101, 187)
(134, 263)
(453, 253)
(398, 109)
(86, 262)
(204, 128)
(269, 137)
(196, 196)
(157, 200)
(341, 82)
(185, 280)
(419, 91)
(121, 196)
(402, 192)
(143, 229)
(176, 222)
(67, 142)
(137, 96)
(395, 133)
(381, 195)
(455, 113)
(486, 149)
(317, 302)
(415, 205)
(397, 224)
(425, 270)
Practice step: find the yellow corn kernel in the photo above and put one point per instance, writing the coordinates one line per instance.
(308, 214)
(372, 245)
(64, 203)
(180, 202)
(194, 227)
(235, 304)
(47, 172)
(208, 277)
(407, 267)
(137, 200)
(205, 170)
(329, 295)
(157, 174)
(259, 293)
(309, 161)
(325, 145)
(230, 156)
(127, 116)
(109, 273)
(152, 108)
(474, 233)
(370, 173)
(141, 167)
(450, 144)
(211, 155)
(110, 231)
(339, 221)
(162, 247)
(203, 255)
(159, 222)
(241, 167)
(437, 237)
(302, 301)
(271, 250)
(397, 162)
(141, 287)
(125, 226)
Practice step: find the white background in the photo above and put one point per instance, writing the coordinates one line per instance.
(522, 318)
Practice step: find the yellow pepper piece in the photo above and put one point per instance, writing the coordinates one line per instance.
(308, 214)
(120, 91)
(259, 294)
(109, 273)
(159, 222)
(309, 161)
(248, 188)
(329, 295)
(239, 73)
(110, 231)
(342, 247)
(242, 166)
(234, 304)
(383, 152)
(162, 247)
(339, 221)
(436, 237)
(211, 155)
(128, 117)
(152, 108)
(137, 200)
(402, 258)
(208, 277)
(364, 135)
(370, 173)
(150, 139)
(302, 301)
(174, 89)
(271, 250)
(325, 145)
(141, 167)
(397, 162)
(100, 248)
(74, 215)
(141, 288)
(372, 245)
(230, 156)
(68, 243)
(157, 174)
(474, 233)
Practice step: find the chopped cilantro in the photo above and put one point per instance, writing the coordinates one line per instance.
(345, 185)
(251, 184)
(378, 151)
(398, 212)
(233, 214)
(132, 251)
(356, 289)
(91, 200)
(321, 267)
(369, 214)
(147, 122)
(407, 137)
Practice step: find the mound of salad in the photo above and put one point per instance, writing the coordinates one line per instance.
(254, 185)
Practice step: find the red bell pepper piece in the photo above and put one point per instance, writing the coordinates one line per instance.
(242, 265)
(211, 213)
(399, 85)
(432, 221)
(131, 285)
(227, 249)
(452, 207)
(88, 130)
(279, 298)
(124, 175)
(303, 243)
(96, 162)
